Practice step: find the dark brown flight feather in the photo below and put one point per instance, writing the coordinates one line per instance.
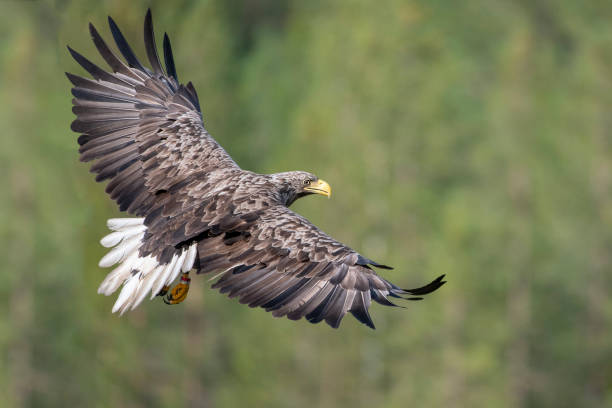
(145, 134)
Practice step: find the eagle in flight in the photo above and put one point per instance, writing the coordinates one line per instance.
(195, 208)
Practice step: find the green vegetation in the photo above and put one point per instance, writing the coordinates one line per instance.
(466, 138)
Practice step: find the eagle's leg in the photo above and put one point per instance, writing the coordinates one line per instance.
(163, 290)
(179, 292)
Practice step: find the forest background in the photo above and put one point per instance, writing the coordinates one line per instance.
(471, 139)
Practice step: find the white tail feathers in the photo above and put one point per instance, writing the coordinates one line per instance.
(138, 275)
(120, 224)
(113, 239)
(120, 252)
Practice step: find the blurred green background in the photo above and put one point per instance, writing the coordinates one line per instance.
(466, 138)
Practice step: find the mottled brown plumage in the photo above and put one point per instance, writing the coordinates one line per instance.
(144, 131)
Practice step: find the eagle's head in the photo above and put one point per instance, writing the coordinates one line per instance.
(297, 184)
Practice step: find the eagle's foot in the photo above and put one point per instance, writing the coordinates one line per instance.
(163, 290)
(179, 292)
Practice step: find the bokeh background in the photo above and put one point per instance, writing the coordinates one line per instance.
(472, 139)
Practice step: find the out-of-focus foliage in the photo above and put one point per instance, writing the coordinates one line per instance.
(467, 138)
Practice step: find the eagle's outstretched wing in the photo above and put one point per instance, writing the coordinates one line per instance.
(285, 264)
(145, 132)
(142, 126)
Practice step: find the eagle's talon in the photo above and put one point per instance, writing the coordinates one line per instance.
(179, 292)
(163, 290)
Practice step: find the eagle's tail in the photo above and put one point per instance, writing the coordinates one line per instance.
(138, 274)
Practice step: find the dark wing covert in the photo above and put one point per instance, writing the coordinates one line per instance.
(286, 265)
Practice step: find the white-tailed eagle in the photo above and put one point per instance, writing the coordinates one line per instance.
(197, 209)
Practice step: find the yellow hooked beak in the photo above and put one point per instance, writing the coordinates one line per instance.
(319, 187)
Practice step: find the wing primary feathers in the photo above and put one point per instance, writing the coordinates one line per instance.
(381, 266)
(363, 261)
(381, 298)
(124, 47)
(95, 71)
(111, 59)
(170, 68)
(149, 36)
(318, 313)
(88, 95)
(280, 300)
(427, 288)
(360, 311)
(334, 311)
(194, 96)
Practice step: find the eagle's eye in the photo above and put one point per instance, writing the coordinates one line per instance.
(307, 182)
